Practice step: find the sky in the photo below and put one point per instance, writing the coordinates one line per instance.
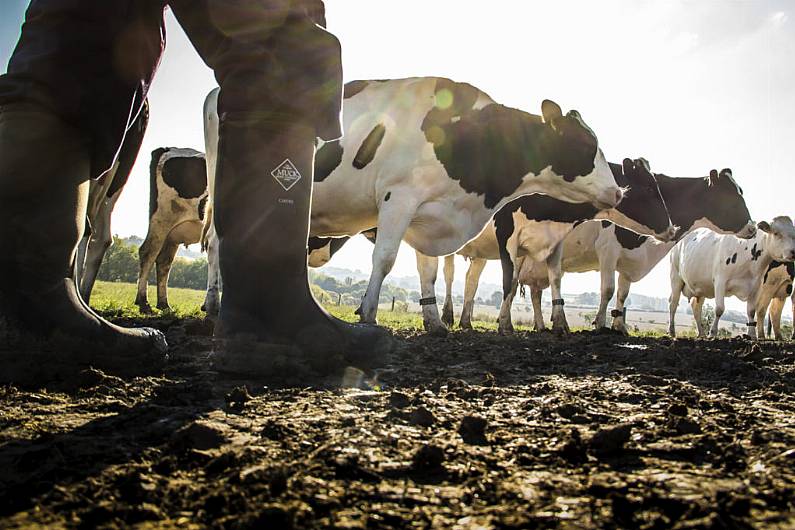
(690, 85)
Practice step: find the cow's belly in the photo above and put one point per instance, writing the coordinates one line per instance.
(186, 233)
(741, 288)
(537, 239)
(344, 204)
(483, 246)
(438, 229)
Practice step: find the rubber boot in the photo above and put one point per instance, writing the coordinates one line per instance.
(263, 194)
(45, 327)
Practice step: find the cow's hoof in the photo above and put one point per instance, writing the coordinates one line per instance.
(561, 331)
(505, 330)
(145, 309)
(465, 325)
(447, 316)
(164, 307)
(437, 331)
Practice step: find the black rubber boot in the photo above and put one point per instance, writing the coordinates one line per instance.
(45, 327)
(263, 194)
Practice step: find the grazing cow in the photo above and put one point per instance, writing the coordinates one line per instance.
(429, 161)
(776, 288)
(102, 196)
(710, 265)
(177, 196)
(535, 226)
(715, 202)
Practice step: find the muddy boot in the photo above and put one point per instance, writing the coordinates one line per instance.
(263, 194)
(43, 321)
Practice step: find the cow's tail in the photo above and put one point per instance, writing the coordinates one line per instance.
(157, 154)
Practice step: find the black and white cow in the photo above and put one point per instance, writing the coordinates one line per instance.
(102, 196)
(715, 202)
(710, 265)
(177, 197)
(776, 288)
(429, 161)
(534, 227)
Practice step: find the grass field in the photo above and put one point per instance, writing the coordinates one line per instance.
(116, 300)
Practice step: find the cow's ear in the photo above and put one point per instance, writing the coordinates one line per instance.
(713, 176)
(643, 162)
(764, 226)
(726, 172)
(629, 166)
(550, 111)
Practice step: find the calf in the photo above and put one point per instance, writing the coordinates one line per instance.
(102, 196)
(715, 202)
(535, 226)
(429, 161)
(776, 288)
(710, 265)
(177, 196)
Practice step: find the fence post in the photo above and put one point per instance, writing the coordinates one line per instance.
(339, 298)
(393, 303)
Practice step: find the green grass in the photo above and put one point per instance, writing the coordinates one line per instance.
(116, 300)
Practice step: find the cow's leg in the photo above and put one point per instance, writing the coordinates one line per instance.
(619, 320)
(538, 315)
(720, 308)
(750, 308)
(449, 276)
(212, 300)
(393, 221)
(43, 203)
(776, 308)
(696, 305)
(762, 303)
(98, 244)
(673, 302)
(476, 266)
(163, 265)
(428, 267)
(792, 304)
(555, 273)
(147, 254)
(505, 326)
(607, 288)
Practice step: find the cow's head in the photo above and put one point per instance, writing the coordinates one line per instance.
(643, 209)
(779, 240)
(724, 207)
(577, 158)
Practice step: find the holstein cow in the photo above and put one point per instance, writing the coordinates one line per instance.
(776, 288)
(715, 202)
(535, 226)
(102, 196)
(429, 161)
(710, 265)
(177, 196)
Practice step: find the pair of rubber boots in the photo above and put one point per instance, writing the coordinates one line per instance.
(44, 323)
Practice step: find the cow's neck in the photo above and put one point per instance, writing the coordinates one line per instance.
(685, 200)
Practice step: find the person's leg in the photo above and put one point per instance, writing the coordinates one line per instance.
(44, 181)
(280, 84)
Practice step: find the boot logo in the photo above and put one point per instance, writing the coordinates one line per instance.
(286, 174)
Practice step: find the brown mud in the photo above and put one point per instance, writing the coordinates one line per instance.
(474, 430)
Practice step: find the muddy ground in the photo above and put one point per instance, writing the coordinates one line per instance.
(469, 431)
